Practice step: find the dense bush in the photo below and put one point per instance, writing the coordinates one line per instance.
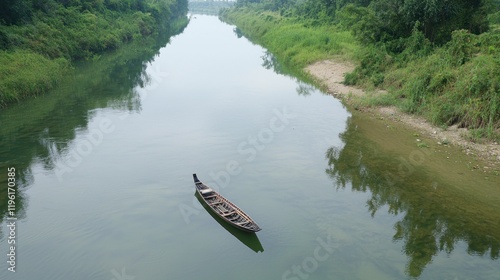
(386, 20)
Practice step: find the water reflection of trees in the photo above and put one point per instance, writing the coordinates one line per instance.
(433, 220)
(238, 32)
(39, 131)
(304, 86)
(270, 62)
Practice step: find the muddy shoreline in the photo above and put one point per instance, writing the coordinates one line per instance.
(330, 74)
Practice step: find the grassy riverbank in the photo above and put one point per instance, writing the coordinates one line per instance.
(38, 42)
(450, 78)
(295, 44)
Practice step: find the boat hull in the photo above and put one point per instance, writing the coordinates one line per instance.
(249, 239)
(224, 208)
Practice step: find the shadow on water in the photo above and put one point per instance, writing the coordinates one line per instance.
(249, 239)
(435, 215)
(41, 130)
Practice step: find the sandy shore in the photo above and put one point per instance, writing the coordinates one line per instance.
(331, 74)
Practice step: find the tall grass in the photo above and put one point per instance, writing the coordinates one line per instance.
(291, 40)
(457, 84)
(25, 73)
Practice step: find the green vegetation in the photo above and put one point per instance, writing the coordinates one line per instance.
(439, 59)
(208, 7)
(294, 43)
(40, 39)
(28, 72)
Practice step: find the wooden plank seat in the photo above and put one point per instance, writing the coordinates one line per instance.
(222, 209)
(216, 203)
(229, 214)
(206, 191)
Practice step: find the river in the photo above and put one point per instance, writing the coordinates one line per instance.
(104, 165)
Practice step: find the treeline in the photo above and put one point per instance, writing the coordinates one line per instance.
(209, 7)
(440, 59)
(40, 38)
(387, 20)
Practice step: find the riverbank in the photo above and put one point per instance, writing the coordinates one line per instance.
(331, 74)
(451, 83)
(39, 43)
(448, 92)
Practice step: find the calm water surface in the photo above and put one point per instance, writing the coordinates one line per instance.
(104, 166)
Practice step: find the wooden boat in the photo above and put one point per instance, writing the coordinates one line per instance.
(249, 239)
(225, 208)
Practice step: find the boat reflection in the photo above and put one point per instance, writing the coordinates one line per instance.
(250, 239)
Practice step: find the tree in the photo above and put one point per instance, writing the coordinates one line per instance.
(15, 11)
(437, 18)
(363, 23)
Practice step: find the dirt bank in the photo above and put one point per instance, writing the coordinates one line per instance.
(331, 74)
